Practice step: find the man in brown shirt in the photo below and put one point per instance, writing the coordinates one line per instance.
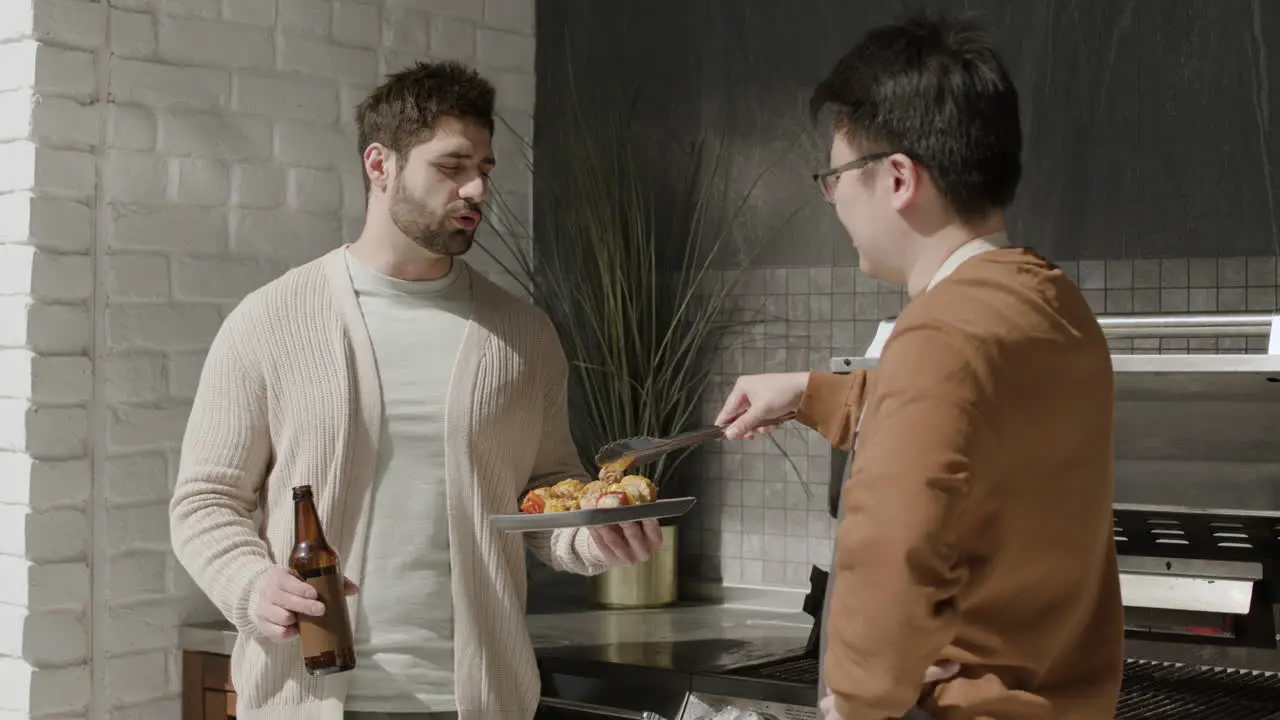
(975, 540)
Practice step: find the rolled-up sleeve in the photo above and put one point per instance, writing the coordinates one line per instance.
(898, 572)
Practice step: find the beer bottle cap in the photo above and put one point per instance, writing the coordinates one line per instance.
(301, 491)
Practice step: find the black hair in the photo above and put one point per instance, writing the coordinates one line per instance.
(936, 90)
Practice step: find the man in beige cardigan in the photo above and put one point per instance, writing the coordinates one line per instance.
(417, 399)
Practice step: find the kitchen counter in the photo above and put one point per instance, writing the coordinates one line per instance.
(689, 638)
(693, 636)
(650, 660)
(212, 637)
(631, 659)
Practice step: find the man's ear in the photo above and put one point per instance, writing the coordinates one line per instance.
(379, 167)
(907, 177)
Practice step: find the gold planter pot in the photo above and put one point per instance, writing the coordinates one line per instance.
(649, 584)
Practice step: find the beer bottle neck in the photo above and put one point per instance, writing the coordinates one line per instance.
(306, 523)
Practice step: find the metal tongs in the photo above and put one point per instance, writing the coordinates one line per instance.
(620, 455)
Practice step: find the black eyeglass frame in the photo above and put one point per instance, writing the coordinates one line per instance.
(831, 174)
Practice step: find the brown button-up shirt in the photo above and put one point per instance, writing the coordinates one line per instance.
(977, 516)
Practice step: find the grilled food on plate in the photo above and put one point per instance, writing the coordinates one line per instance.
(613, 472)
(572, 494)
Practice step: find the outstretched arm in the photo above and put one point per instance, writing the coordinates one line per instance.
(832, 405)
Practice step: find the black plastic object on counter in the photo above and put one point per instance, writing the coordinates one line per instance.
(813, 604)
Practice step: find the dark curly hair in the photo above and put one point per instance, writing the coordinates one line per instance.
(402, 112)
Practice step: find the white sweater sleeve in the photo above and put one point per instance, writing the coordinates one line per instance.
(569, 550)
(225, 452)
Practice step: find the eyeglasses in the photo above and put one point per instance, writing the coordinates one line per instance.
(828, 179)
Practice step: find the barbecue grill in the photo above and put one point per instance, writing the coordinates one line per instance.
(1152, 690)
(1197, 527)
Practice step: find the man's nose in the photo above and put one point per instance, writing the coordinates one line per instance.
(476, 190)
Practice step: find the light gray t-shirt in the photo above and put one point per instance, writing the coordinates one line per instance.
(404, 632)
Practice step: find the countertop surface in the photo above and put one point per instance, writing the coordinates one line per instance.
(691, 638)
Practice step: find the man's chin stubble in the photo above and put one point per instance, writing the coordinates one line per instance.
(452, 245)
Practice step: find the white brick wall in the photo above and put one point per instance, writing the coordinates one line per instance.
(158, 160)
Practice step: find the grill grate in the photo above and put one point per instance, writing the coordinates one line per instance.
(802, 670)
(798, 670)
(1169, 691)
(1151, 690)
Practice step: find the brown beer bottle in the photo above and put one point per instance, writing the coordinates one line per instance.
(327, 643)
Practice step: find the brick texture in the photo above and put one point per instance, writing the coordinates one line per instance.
(46, 370)
(158, 160)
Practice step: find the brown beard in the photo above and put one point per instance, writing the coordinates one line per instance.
(426, 228)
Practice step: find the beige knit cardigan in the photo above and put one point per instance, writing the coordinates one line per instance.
(289, 394)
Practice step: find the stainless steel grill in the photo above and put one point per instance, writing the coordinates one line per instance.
(802, 670)
(1151, 690)
(1202, 534)
(1169, 691)
(1197, 516)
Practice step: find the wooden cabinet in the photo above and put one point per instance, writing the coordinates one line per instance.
(206, 687)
